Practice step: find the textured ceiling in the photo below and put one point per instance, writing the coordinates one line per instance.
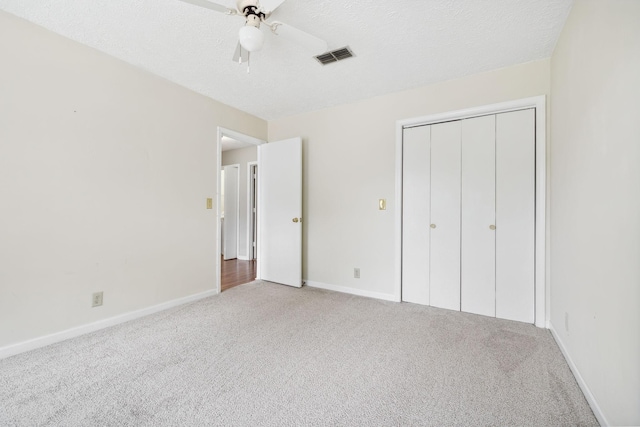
(398, 44)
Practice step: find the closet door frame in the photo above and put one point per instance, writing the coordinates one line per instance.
(541, 249)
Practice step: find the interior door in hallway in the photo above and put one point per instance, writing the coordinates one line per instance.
(253, 212)
(231, 212)
(280, 212)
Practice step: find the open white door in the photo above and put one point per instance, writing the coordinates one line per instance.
(280, 212)
(231, 205)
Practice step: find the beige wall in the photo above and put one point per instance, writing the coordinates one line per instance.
(242, 157)
(104, 172)
(349, 163)
(595, 201)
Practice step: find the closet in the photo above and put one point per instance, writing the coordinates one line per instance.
(468, 215)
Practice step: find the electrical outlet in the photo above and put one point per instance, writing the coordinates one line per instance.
(356, 273)
(97, 299)
(566, 321)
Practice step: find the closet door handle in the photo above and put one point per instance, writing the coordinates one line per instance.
(492, 227)
(433, 226)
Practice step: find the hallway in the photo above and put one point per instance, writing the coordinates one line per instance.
(235, 272)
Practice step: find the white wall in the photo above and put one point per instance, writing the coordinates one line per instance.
(242, 156)
(349, 163)
(104, 174)
(595, 201)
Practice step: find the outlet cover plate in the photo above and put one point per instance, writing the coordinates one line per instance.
(96, 301)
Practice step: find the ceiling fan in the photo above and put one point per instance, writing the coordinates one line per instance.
(256, 13)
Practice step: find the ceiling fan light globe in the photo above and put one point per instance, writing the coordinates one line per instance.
(251, 38)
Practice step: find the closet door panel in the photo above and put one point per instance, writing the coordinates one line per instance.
(445, 216)
(478, 273)
(515, 210)
(415, 214)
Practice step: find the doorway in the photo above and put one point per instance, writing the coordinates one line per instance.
(237, 269)
(236, 250)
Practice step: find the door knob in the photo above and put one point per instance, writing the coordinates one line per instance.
(492, 227)
(295, 219)
(433, 226)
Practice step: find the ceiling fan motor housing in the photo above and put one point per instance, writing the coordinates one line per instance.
(253, 21)
(250, 9)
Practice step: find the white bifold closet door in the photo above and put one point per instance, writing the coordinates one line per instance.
(468, 237)
(416, 148)
(444, 277)
(478, 252)
(515, 216)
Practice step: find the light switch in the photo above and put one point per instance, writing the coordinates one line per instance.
(209, 203)
(382, 204)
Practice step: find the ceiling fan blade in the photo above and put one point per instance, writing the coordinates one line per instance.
(310, 42)
(241, 56)
(270, 5)
(213, 6)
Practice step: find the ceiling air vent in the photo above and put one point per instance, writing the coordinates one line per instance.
(335, 55)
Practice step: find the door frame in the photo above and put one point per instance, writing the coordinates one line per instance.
(238, 136)
(541, 250)
(252, 203)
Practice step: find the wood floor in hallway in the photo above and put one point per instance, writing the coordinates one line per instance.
(235, 272)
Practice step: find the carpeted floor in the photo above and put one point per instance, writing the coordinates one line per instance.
(265, 354)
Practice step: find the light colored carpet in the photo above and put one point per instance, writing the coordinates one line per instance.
(265, 354)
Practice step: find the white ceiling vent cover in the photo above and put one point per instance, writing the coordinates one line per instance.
(335, 55)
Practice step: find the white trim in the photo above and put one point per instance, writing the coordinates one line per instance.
(398, 216)
(249, 213)
(537, 102)
(218, 212)
(467, 113)
(243, 258)
(45, 340)
(581, 382)
(238, 137)
(542, 310)
(258, 230)
(352, 291)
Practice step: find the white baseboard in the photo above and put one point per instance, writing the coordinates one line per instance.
(353, 291)
(583, 385)
(45, 340)
(243, 258)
